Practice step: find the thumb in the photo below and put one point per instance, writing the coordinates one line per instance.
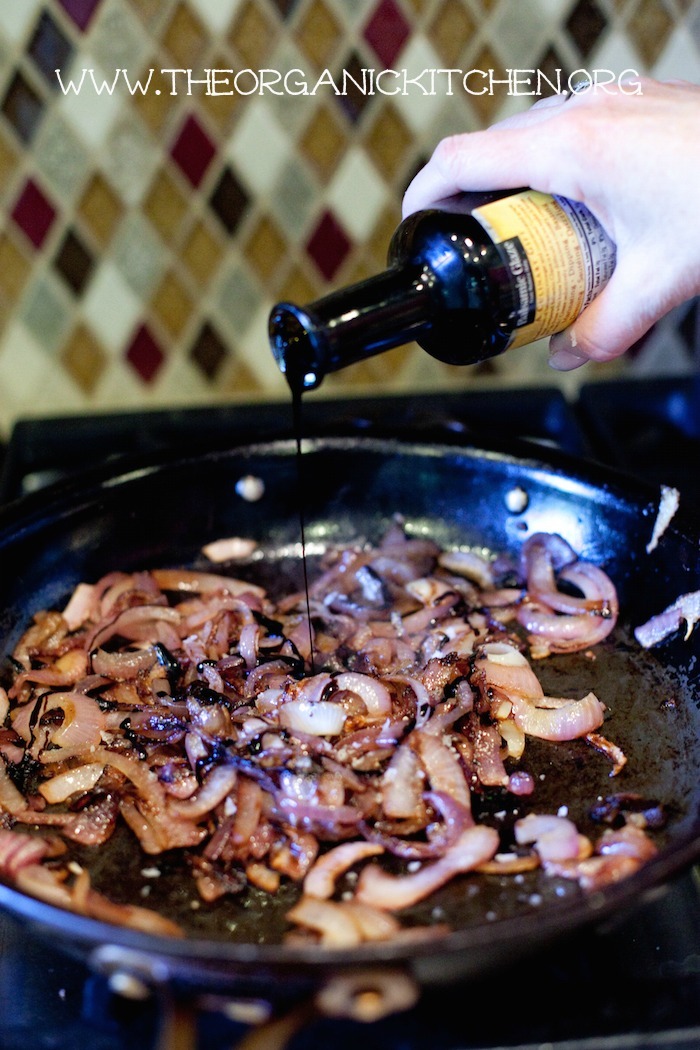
(617, 318)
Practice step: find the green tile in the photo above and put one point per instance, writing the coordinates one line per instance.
(238, 299)
(117, 39)
(139, 255)
(294, 197)
(129, 159)
(46, 313)
(61, 158)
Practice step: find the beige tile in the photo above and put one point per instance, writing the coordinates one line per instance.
(166, 207)
(649, 28)
(185, 37)
(9, 159)
(389, 141)
(299, 287)
(14, 269)
(221, 109)
(319, 34)
(83, 359)
(172, 305)
(156, 106)
(201, 252)
(100, 210)
(266, 250)
(377, 246)
(323, 142)
(253, 34)
(450, 30)
(485, 105)
(148, 10)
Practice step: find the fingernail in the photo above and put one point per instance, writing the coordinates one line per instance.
(563, 353)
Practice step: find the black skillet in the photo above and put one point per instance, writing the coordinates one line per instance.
(162, 514)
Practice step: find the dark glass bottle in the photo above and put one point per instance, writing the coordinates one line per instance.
(467, 280)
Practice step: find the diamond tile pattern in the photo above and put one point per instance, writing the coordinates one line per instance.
(328, 245)
(34, 213)
(387, 32)
(209, 351)
(229, 200)
(144, 355)
(193, 151)
(74, 263)
(585, 24)
(81, 11)
(50, 48)
(22, 107)
(149, 229)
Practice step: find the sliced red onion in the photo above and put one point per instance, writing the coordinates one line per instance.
(322, 877)
(80, 606)
(138, 623)
(521, 783)
(333, 923)
(11, 799)
(373, 693)
(83, 721)
(380, 889)
(469, 564)
(124, 664)
(229, 548)
(555, 838)
(403, 784)
(322, 718)
(629, 841)
(248, 644)
(217, 786)
(443, 768)
(659, 627)
(73, 781)
(20, 850)
(194, 582)
(569, 722)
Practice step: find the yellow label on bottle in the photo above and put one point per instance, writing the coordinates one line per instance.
(558, 254)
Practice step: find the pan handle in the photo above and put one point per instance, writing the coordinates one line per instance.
(359, 995)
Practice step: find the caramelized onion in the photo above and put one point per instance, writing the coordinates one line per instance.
(186, 704)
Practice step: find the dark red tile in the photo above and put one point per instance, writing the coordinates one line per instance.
(23, 108)
(81, 11)
(209, 351)
(50, 49)
(387, 32)
(328, 245)
(144, 355)
(34, 213)
(193, 151)
(74, 262)
(229, 201)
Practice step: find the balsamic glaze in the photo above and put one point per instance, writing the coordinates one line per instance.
(301, 490)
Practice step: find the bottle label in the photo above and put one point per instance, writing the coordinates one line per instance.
(558, 254)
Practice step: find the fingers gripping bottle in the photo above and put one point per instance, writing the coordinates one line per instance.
(468, 279)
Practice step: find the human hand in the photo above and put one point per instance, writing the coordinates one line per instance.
(633, 160)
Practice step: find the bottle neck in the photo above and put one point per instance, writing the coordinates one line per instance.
(350, 325)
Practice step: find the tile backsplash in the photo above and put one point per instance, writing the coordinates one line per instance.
(214, 156)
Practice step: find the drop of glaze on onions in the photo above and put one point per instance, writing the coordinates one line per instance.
(297, 424)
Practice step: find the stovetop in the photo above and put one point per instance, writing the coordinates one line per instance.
(627, 985)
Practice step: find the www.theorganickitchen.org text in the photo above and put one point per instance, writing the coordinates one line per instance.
(365, 81)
